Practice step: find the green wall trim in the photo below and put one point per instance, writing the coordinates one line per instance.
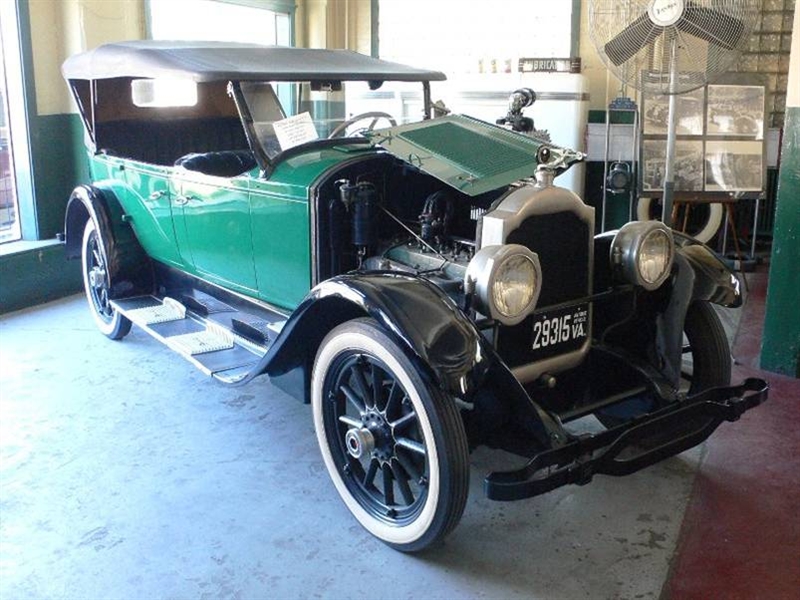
(37, 275)
(780, 350)
(59, 164)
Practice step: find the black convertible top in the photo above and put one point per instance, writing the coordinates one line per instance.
(216, 61)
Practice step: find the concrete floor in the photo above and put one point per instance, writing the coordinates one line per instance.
(125, 473)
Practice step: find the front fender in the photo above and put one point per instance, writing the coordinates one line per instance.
(129, 268)
(714, 282)
(437, 336)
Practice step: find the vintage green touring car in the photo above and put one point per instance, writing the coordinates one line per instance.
(420, 281)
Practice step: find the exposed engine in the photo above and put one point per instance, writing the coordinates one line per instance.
(426, 245)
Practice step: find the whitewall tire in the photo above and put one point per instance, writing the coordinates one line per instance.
(648, 209)
(394, 447)
(94, 261)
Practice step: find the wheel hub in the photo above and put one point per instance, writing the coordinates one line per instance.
(97, 277)
(374, 438)
(359, 442)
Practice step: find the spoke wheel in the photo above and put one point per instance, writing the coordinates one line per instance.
(706, 363)
(395, 449)
(96, 283)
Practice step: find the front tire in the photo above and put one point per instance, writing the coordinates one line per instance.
(394, 446)
(706, 363)
(94, 260)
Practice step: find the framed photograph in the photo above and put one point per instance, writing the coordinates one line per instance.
(688, 165)
(734, 166)
(689, 113)
(736, 110)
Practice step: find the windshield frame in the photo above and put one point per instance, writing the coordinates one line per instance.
(268, 163)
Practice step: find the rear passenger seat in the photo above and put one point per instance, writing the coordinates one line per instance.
(162, 142)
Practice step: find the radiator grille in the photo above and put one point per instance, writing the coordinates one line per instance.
(563, 242)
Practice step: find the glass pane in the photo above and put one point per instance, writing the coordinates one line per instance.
(220, 22)
(456, 37)
(9, 210)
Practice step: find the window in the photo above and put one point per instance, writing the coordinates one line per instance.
(458, 37)
(13, 133)
(221, 21)
(9, 223)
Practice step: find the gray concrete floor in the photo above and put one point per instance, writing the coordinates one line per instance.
(125, 473)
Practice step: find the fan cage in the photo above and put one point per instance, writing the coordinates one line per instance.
(703, 42)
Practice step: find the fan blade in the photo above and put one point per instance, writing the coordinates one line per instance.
(712, 26)
(632, 39)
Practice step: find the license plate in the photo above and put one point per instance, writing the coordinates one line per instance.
(566, 327)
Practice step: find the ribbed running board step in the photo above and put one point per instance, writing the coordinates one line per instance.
(208, 345)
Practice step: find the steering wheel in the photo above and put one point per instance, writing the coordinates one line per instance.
(375, 116)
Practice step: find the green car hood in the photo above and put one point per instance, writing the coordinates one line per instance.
(470, 155)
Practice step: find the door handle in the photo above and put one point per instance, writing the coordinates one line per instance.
(156, 195)
(182, 200)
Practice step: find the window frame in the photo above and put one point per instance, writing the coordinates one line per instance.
(18, 56)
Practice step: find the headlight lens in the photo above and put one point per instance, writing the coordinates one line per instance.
(654, 256)
(514, 285)
(505, 281)
(642, 253)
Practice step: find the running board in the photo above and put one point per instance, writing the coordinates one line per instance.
(223, 343)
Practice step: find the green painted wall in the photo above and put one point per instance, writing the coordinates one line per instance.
(59, 164)
(780, 351)
(37, 275)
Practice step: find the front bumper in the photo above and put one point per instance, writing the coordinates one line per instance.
(629, 447)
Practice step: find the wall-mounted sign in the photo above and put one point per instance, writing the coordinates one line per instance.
(550, 65)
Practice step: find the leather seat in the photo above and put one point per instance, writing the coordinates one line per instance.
(228, 163)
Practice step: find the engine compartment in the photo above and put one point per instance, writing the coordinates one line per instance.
(381, 214)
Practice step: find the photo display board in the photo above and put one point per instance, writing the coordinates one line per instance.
(720, 142)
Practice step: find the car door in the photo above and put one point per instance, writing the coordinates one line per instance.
(147, 198)
(213, 223)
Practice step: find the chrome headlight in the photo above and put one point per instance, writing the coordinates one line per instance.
(642, 251)
(506, 281)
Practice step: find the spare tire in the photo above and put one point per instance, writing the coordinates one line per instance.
(703, 225)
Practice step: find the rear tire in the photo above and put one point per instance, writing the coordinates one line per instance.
(394, 446)
(94, 260)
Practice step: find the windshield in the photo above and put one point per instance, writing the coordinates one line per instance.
(285, 115)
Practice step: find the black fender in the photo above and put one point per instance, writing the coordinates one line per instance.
(714, 281)
(697, 275)
(438, 337)
(129, 268)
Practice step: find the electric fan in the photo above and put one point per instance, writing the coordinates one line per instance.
(670, 47)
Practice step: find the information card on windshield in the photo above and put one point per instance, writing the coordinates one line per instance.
(295, 130)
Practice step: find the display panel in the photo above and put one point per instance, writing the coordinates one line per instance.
(720, 138)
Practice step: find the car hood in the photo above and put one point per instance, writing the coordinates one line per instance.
(467, 154)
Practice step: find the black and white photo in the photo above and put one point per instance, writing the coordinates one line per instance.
(689, 113)
(734, 166)
(736, 110)
(688, 165)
